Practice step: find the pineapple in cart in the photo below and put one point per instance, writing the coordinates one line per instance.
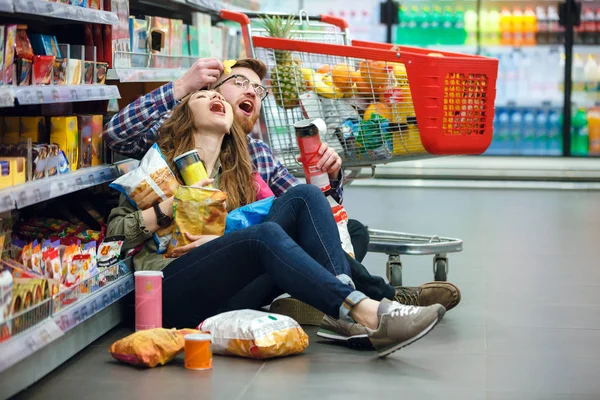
(287, 79)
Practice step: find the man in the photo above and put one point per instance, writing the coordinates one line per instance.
(133, 131)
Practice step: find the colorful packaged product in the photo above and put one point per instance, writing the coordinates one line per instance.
(74, 68)
(90, 140)
(39, 158)
(138, 31)
(63, 131)
(42, 70)
(88, 74)
(160, 40)
(44, 45)
(2, 29)
(60, 71)
(95, 4)
(193, 40)
(23, 47)
(24, 67)
(9, 54)
(175, 42)
(101, 70)
(36, 259)
(33, 128)
(109, 251)
(185, 41)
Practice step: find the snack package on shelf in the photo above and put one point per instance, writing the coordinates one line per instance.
(42, 70)
(90, 140)
(143, 195)
(63, 132)
(138, 31)
(45, 45)
(160, 32)
(255, 334)
(33, 128)
(175, 42)
(185, 41)
(10, 37)
(13, 171)
(2, 32)
(197, 211)
(6, 288)
(193, 41)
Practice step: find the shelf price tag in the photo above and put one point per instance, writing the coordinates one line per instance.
(7, 98)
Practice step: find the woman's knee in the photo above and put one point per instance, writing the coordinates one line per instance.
(270, 232)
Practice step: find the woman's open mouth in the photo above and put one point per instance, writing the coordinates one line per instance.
(217, 107)
(247, 107)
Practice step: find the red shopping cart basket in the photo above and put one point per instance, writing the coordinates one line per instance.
(381, 102)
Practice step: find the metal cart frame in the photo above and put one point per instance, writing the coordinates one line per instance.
(326, 29)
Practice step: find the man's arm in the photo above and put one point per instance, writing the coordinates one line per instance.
(277, 175)
(132, 131)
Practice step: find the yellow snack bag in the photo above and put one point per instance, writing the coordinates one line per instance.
(255, 334)
(197, 211)
(151, 347)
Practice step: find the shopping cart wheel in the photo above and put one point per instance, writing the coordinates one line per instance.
(394, 270)
(440, 268)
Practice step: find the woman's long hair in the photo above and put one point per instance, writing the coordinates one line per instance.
(176, 136)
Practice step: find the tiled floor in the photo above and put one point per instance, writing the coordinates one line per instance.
(528, 327)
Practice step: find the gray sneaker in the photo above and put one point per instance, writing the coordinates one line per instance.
(401, 325)
(350, 333)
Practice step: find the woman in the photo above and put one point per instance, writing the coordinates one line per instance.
(304, 259)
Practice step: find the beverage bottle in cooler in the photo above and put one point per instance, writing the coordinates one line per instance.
(471, 27)
(579, 133)
(448, 36)
(501, 80)
(422, 19)
(401, 27)
(541, 35)
(593, 117)
(555, 31)
(516, 130)
(458, 23)
(578, 77)
(590, 72)
(434, 33)
(529, 27)
(308, 133)
(528, 134)
(511, 76)
(541, 133)
(502, 133)
(518, 26)
(597, 31)
(506, 29)
(493, 30)
(588, 20)
(413, 35)
(554, 133)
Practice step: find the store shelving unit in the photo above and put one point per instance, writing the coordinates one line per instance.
(51, 94)
(59, 11)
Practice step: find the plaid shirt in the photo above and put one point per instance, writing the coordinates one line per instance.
(133, 131)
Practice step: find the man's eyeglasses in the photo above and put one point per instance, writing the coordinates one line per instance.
(242, 82)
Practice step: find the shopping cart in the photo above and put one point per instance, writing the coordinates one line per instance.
(381, 103)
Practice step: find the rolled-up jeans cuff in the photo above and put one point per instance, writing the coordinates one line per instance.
(347, 280)
(349, 302)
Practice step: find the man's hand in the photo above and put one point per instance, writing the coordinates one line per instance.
(203, 72)
(330, 161)
(197, 241)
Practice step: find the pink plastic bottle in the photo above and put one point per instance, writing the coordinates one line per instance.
(148, 300)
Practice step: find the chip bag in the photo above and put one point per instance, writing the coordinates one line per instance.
(151, 347)
(151, 182)
(197, 211)
(248, 215)
(255, 334)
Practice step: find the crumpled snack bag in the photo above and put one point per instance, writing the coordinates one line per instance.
(255, 334)
(151, 347)
(248, 215)
(151, 182)
(197, 211)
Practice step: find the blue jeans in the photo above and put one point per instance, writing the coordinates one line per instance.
(209, 279)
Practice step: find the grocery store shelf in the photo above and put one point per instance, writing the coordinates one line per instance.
(479, 168)
(49, 94)
(56, 339)
(47, 9)
(7, 97)
(530, 103)
(34, 192)
(145, 74)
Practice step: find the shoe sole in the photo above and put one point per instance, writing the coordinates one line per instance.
(302, 313)
(354, 342)
(410, 341)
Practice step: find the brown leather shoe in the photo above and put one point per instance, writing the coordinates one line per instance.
(444, 293)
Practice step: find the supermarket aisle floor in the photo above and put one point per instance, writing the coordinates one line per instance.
(528, 327)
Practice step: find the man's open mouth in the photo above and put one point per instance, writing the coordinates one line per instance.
(217, 107)
(247, 107)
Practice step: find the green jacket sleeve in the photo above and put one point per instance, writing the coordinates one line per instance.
(126, 221)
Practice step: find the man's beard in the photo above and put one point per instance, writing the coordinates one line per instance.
(247, 123)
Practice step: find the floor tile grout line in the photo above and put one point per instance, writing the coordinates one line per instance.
(245, 389)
